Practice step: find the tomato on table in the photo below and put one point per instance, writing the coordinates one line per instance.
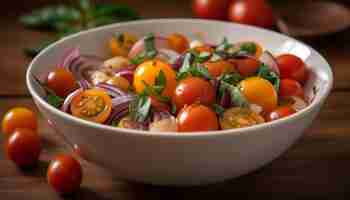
(178, 42)
(193, 90)
(93, 105)
(64, 174)
(19, 117)
(196, 117)
(237, 117)
(210, 9)
(121, 44)
(290, 87)
(292, 67)
(280, 112)
(252, 12)
(246, 66)
(259, 91)
(23, 147)
(148, 72)
(220, 67)
(61, 81)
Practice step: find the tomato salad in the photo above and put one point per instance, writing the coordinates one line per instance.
(169, 83)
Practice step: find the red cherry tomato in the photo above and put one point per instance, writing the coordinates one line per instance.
(23, 147)
(252, 12)
(193, 90)
(290, 87)
(19, 117)
(61, 81)
(196, 117)
(218, 68)
(210, 9)
(158, 105)
(292, 67)
(64, 174)
(246, 66)
(280, 112)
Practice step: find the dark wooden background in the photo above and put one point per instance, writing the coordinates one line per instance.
(317, 167)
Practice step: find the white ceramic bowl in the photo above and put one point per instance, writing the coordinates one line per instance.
(178, 158)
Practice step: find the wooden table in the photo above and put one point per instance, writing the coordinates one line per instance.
(316, 167)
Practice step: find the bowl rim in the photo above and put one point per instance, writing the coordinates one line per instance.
(318, 100)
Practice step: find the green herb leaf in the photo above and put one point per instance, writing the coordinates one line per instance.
(248, 47)
(237, 98)
(265, 72)
(231, 78)
(173, 108)
(223, 46)
(202, 57)
(54, 100)
(218, 109)
(160, 81)
(200, 71)
(149, 53)
(140, 108)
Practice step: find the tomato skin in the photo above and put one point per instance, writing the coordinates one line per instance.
(19, 117)
(61, 81)
(218, 68)
(122, 47)
(196, 117)
(246, 66)
(193, 90)
(252, 12)
(210, 9)
(23, 147)
(158, 105)
(178, 42)
(290, 87)
(64, 174)
(280, 112)
(292, 67)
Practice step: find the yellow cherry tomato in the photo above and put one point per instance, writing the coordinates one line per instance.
(261, 92)
(178, 42)
(19, 117)
(147, 73)
(121, 44)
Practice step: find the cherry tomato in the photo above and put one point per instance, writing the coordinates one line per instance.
(158, 105)
(19, 118)
(292, 67)
(23, 147)
(204, 48)
(246, 66)
(280, 112)
(252, 12)
(64, 174)
(121, 44)
(290, 87)
(61, 81)
(237, 117)
(259, 91)
(93, 105)
(178, 42)
(218, 68)
(193, 90)
(119, 82)
(197, 117)
(148, 72)
(210, 9)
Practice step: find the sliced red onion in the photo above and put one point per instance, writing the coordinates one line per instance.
(178, 62)
(116, 116)
(139, 46)
(69, 57)
(68, 100)
(225, 100)
(120, 107)
(268, 59)
(128, 74)
(111, 90)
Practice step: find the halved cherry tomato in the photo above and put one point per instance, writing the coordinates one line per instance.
(290, 87)
(193, 90)
(246, 66)
(219, 67)
(158, 105)
(121, 44)
(237, 117)
(93, 105)
(259, 91)
(61, 81)
(178, 42)
(210, 9)
(148, 71)
(19, 117)
(197, 117)
(23, 147)
(280, 112)
(292, 67)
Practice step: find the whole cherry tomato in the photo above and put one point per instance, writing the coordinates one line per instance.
(61, 81)
(280, 112)
(178, 42)
(218, 68)
(210, 9)
(252, 12)
(292, 67)
(197, 117)
(193, 90)
(121, 44)
(19, 117)
(23, 147)
(64, 174)
(290, 87)
(246, 66)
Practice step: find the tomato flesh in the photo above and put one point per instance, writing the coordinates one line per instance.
(237, 117)
(292, 67)
(61, 81)
(19, 117)
(280, 112)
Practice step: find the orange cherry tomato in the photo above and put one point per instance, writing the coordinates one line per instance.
(237, 117)
(148, 72)
(280, 112)
(64, 174)
(197, 117)
(61, 81)
(290, 87)
(193, 90)
(252, 12)
(19, 117)
(93, 105)
(178, 42)
(218, 68)
(121, 44)
(246, 66)
(292, 67)
(261, 92)
(23, 147)
(158, 105)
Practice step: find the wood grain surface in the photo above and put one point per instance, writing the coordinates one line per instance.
(316, 167)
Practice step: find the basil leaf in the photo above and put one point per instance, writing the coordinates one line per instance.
(232, 78)
(218, 109)
(248, 47)
(202, 57)
(200, 71)
(265, 72)
(54, 100)
(160, 81)
(223, 46)
(149, 53)
(173, 108)
(186, 64)
(140, 108)
(237, 97)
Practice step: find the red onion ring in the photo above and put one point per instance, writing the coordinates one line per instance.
(268, 59)
(68, 100)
